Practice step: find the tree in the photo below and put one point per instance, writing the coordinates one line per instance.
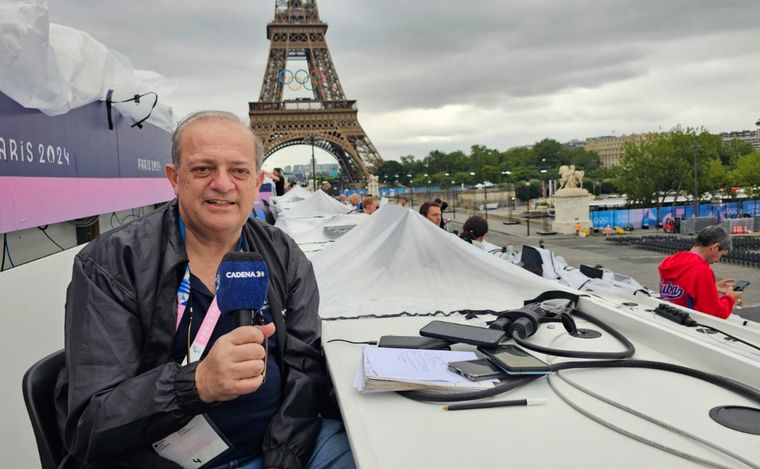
(664, 164)
(731, 150)
(747, 173)
(549, 153)
(584, 160)
(389, 170)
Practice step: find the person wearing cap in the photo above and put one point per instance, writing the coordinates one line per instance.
(402, 200)
(686, 278)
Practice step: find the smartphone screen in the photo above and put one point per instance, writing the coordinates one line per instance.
(740, 285)
(476, 370)
(515, 360)
(454, 332)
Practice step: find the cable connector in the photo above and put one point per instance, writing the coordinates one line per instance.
(674, 314)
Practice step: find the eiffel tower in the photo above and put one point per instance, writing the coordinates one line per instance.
(325, 118)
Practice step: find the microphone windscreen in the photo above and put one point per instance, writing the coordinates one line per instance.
(242, 281)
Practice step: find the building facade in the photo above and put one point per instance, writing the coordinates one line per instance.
(750, 136)
(610, 148)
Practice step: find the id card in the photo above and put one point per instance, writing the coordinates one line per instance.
(193, 445)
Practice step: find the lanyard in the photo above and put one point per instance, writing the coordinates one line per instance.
(210, 319)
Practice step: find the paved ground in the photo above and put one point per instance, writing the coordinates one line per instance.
(638, 263)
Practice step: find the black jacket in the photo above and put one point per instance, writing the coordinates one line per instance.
(121, 391)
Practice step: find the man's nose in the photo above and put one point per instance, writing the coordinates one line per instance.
(222, 181)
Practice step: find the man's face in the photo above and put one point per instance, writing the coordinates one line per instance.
(215, 182)
(434, 215)
(714, 253)
(402, 202)
(354, 199)
(370, 208)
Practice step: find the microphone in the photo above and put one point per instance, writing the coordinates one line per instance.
(242, 281)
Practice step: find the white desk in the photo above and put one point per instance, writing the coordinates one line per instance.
(389, 431)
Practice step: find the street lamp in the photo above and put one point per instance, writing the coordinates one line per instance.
(313, 165)
(696, 186)
(411, 190)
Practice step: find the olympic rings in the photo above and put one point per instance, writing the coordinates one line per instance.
(302, 78)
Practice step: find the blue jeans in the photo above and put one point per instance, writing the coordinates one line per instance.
(331, 451)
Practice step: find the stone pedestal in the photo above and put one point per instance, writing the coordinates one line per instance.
(570, 207)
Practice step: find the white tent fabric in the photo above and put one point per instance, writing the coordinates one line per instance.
(319, 230)
(318, 204)
(398, 261)
(56, 68)
(297, 193)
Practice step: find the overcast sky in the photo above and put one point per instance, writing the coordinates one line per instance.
(448, 74)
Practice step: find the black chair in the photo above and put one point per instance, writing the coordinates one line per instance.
(38, 385)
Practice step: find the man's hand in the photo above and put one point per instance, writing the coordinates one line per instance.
(725, 286)
(737, 295)
(234, 365)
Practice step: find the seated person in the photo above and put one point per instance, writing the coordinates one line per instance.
(686, 278)
(432, 212)
(356, 201)
(148, 353)
(474, 231)
(369, 205)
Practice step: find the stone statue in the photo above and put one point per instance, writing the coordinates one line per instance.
(373, 186)
(570, 177)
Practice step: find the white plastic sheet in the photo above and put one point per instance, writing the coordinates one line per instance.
(318, 204)
(398, 261)
(56, 68)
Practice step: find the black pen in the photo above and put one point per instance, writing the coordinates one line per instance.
(488, 405)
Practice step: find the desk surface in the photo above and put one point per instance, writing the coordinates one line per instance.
(389, 431)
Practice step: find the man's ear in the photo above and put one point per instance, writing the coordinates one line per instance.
(259, 179)
(171, 174)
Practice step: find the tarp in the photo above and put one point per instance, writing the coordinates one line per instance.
(318, 204)
(319, 230)
(397, 261)
(56, 68)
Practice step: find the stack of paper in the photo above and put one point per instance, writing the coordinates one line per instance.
(396, 369)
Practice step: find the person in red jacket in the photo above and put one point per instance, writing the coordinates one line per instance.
(686, 278)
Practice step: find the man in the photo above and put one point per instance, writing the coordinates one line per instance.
(279, 181)
(369, 205)
(687, 279)
(402, 201)
(140, 294)
(356, 201)
(432, 212)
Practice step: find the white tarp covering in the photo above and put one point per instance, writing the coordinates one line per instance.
(318, 204)
(56, 68)
(319, 230)
(398, 261)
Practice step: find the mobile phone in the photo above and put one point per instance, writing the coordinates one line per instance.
(476, 370)
(453, 332)
(400, 341)
(515, 361)
(740, 285)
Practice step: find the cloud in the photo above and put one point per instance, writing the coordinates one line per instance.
(448, 74)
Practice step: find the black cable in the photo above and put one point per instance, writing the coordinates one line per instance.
(627, 353)
(6, 249)
(2, 264)
(369, 342)
(729, 335)
(725, 383)
(44, 231)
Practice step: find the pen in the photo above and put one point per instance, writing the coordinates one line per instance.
(488, 405)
